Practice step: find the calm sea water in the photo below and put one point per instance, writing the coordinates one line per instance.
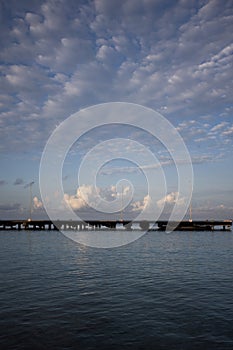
(164, 291)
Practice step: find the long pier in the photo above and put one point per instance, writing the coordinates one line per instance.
(161, 225)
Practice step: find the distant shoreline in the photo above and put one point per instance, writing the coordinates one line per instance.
(145, 225)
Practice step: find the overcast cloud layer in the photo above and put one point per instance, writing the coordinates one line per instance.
(59, 56)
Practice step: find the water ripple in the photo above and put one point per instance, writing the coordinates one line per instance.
(164, 291)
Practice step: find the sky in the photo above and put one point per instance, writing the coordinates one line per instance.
(60, 57)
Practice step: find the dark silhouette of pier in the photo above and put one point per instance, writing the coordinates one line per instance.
(161, 225)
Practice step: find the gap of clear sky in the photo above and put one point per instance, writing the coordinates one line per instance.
(58, 57)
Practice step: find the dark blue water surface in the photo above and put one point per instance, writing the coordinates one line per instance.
(164, 291)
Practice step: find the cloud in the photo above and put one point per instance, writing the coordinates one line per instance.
(3, 182)
(58, 58)
(170, 199)
(10, 207)
(222, 57)
(29, 184)
(19, 181)
(204, 158)
(37, 204)
(228, 131)
(219, 126)
(85, 194)
(162, 162)
(146, 203)
(88, 196)
(212, 212)
(119, 170)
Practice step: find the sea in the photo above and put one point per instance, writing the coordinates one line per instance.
(162, 291)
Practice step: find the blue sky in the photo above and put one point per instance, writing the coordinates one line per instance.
(58, 57)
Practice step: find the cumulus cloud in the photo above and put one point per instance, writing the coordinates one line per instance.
(170, 199)
(37, 204)
(84, 195)
(142, 205)
(89, 196)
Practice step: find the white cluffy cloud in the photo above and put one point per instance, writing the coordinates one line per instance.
(89, 195)
(84, 195)
(37, 204)
(171, 198)
(142, 205)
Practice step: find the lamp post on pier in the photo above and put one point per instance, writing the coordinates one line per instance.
(30, 199)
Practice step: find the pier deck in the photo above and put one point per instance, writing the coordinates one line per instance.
(161, 225)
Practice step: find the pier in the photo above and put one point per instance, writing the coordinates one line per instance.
(160, 225)
(197, 225)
